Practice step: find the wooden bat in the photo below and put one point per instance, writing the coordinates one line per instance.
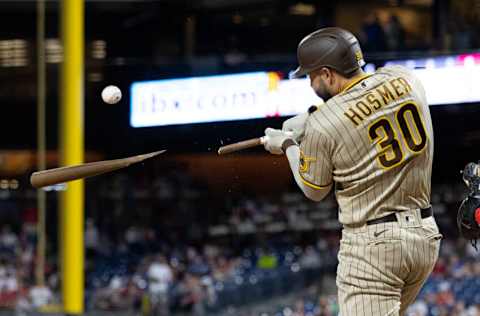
(249, 143)
(63, 174)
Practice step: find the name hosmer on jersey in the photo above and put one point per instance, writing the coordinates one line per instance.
(377, 98)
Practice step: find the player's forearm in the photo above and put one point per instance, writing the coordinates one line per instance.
(293, 156)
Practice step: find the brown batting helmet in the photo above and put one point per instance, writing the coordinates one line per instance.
(331, 47)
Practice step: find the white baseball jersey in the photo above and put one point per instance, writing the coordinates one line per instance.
(375, 141)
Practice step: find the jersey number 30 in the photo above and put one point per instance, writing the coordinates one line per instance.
(390, 148)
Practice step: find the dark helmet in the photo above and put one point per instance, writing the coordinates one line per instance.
(331, 47)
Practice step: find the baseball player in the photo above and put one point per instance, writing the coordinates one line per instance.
(372, 140)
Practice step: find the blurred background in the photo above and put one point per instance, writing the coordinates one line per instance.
(192, 233)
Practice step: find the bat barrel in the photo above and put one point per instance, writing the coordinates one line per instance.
(59, 175)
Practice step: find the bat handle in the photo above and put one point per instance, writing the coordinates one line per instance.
(249, 143)
(241, 145)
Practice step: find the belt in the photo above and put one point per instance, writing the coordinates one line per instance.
(425, 212)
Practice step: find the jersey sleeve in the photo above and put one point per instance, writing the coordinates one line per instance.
(315, 167)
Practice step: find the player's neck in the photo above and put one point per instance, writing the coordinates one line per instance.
(346, 83)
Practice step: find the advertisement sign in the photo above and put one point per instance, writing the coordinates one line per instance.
(218, 98)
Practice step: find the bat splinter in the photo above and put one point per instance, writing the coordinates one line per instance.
(63, 174)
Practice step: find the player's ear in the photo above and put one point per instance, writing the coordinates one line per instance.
(328, 75)
(325, 74)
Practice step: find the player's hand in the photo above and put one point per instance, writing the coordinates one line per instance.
(296, 125)
(274, 139)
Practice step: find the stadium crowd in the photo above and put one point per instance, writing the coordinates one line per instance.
(251, 248)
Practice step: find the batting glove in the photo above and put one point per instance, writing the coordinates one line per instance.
(274, 140)
(296, 125)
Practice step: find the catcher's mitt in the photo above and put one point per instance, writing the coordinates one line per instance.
(468, 216)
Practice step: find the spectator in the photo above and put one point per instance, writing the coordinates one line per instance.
(40, 296)
(10, 284)
(110, 297)
(440, 267)
(373, 34)
(473, 310)
(198, 266)
(8, 240)
(91, 237)
(160, 277)
(459, 309)
(195, 296)
(394, 34)
(133, 235)
(462, 35)
(445, 295)
(310, 259)
(234, 56)
(419, 308)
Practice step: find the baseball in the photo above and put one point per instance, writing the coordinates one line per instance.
(111, 94)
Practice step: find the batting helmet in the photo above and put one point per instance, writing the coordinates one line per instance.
(331, 47)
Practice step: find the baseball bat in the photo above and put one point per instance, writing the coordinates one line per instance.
(63, 174)
(249, 143)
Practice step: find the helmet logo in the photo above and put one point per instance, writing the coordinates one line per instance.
(358, 55)
(359, 58)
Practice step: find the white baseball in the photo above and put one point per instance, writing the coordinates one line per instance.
(111, 94)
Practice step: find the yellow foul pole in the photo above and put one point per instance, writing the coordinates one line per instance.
(72, 151)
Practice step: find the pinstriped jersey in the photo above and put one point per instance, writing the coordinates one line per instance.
(374, 140)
